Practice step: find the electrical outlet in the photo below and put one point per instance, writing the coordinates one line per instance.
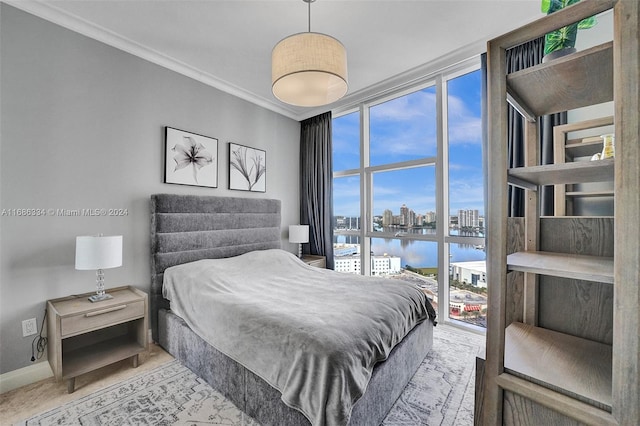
(29, 327)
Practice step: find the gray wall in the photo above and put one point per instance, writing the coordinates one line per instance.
(83, 127)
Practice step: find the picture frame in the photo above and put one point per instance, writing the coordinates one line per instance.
(190, 158)
(247, 168)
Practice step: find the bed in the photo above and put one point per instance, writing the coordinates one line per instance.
(192, 229)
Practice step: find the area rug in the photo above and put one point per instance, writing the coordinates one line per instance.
(440, 393)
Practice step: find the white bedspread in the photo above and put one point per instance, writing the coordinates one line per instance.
(311, 333)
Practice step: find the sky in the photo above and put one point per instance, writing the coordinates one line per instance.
(404, 129)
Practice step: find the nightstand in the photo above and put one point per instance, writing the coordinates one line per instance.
(315, 260)
(85, 336)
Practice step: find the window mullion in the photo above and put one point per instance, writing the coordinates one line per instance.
(365, 193)
(442, 199)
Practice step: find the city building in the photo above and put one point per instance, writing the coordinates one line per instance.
(387, 218)
(468, 219)
(430, 217)
(474, 272)
(404, 215)
(347, 259)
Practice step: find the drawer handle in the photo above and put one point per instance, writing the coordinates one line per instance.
(105, 311)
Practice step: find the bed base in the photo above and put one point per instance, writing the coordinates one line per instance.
(261, 401)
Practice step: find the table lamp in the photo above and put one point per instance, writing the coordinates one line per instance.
(299, 234)
(99, 252)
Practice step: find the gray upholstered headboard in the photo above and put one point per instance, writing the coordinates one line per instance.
(186, 228)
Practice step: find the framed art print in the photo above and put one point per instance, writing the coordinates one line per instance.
(190, 159)
(247, 168)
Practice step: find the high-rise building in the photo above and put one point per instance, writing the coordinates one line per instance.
(430, 217)
(468, 218)
(404, 215)
(387, 218)
(411, 218)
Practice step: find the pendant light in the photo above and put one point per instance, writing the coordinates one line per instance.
(309, 69)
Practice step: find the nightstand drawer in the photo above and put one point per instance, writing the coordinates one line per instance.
(315, 260)
(318, 263)
(100, 318)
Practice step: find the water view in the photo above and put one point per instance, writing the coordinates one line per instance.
(421, 254)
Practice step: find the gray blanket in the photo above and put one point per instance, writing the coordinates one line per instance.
(313, 334)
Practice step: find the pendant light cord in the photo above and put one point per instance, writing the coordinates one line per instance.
(309, 6)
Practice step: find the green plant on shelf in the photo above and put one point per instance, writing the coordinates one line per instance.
(565, 37)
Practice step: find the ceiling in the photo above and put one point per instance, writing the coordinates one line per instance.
(227, 43)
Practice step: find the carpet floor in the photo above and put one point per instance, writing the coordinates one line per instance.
(440, 393)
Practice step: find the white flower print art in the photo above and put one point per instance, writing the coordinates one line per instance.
(190, 159)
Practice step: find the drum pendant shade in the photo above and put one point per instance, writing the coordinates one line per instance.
(309, 69)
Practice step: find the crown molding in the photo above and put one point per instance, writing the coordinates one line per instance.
(411, 77)
(48, 11)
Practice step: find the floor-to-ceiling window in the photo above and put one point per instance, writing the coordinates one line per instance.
(408, 191)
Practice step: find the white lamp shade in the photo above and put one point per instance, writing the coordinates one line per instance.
(299, 233)
(98, 252)
(309, 69)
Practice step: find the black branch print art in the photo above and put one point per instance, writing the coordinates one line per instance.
(252, 167)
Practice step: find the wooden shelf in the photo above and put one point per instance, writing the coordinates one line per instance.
(586, 148)
(575, 409)
(581, 79)
(564, 173)
(580, 267)
(89, 358)
(567, 364)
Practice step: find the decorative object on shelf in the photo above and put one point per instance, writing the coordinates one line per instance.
(562, 41)
(190, 159)
(608, 146)
(99, 252)
(247, 168)
(299, 234)
(309, 69)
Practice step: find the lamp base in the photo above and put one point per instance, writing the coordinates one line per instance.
(100, 293)
(100, 297)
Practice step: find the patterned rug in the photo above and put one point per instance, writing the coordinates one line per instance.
(440, 393)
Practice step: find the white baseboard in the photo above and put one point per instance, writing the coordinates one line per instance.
(25, 376)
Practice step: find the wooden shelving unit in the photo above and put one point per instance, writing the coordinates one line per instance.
(563, 334)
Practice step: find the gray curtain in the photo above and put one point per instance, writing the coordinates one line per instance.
(316, 185)
(520, 57)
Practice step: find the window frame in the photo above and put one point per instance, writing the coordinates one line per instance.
(442, 237)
